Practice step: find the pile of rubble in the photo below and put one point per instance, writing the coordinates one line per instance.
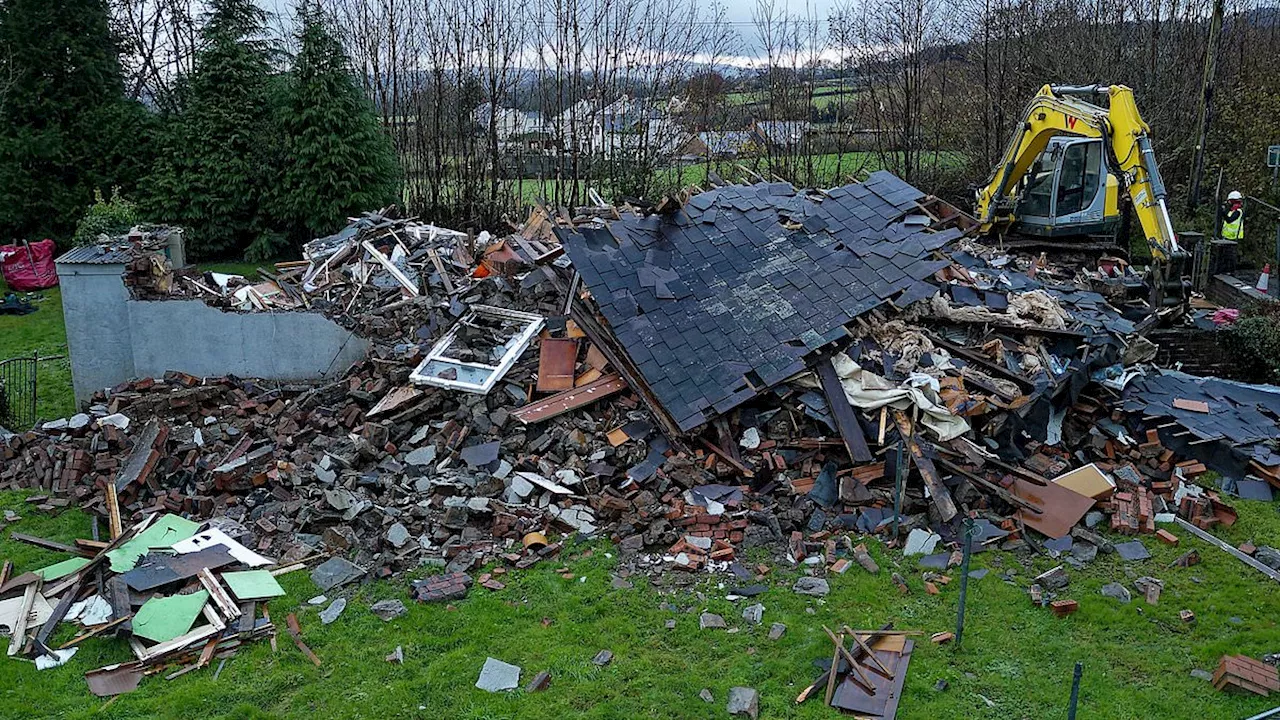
(182, 595)
(751, 366)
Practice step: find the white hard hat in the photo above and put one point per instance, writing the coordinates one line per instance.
(1235, 195)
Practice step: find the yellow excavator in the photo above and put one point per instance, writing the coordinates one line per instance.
(1066, 172)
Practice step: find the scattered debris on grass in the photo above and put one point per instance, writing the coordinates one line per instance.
(747, 367)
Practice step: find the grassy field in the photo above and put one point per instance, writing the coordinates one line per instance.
(43, 332)
(1016, 661)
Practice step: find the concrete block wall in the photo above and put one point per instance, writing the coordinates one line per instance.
(113, 338)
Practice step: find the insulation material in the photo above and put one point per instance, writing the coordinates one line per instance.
(869, 391)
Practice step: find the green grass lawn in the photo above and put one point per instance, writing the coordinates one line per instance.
(1019, 658)
(43, 332)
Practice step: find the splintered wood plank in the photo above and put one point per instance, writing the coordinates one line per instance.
(295, 631)
(938, 492)
(561, 403)
(19, 637)
(557, 361)
(113, 511)
(855, 441)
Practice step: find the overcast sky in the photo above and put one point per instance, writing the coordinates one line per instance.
(738, 12)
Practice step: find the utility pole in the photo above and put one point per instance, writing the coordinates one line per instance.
(1206, 102)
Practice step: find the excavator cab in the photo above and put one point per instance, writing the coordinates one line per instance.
(1069, 191)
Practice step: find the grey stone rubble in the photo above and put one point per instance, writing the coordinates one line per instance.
(388, 610)
(331, 613)
(814, 586)
(497, 676)
(744, 701)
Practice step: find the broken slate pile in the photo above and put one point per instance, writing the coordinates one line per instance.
(755, 366)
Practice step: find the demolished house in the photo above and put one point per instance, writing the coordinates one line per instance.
(749, 366)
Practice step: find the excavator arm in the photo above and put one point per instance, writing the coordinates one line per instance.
(1061, 110)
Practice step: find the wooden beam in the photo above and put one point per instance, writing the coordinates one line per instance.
(721, 453)
(50, 544)
(621, 362)
(1002, 493)
(59, 612)
(295, 631)
(938, 492)
(855, 441)
(561, 403)
(218, 594)
(113, 511)
(94, 632)
(19, 637)
(976, 358)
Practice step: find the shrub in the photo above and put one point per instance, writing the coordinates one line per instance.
(105, 217)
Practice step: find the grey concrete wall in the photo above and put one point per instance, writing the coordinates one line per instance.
(94, 308)
(191, 337)
(113, 338)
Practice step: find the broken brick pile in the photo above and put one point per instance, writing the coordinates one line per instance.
(442, 588)
(395, 475)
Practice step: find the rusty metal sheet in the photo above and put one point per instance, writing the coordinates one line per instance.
(557, 361)
(155, 570)
(570, 399)
(853, 697)
(1063, 508)
(114, 679)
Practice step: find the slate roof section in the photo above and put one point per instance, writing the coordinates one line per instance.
(720, 300)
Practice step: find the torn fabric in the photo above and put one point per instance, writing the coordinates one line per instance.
(869, 391)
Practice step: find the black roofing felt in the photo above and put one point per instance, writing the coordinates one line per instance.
(721, 293)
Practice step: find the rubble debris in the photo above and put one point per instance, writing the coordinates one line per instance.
(867, 679)
(814, 586)
(1132, 550)
(388, 610)
(396, 657)
(752, 367)
(705, 694)
(1116, 591)
(497, 676)
(540, 682)
(331, 613)
(744, 701)
(711, 621)
(1063, 608)
(602, 658)
(1245, 673)
(336, 572)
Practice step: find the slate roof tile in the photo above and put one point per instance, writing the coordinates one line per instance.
(725, 293)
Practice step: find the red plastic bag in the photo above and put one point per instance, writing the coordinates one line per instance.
(28, 266)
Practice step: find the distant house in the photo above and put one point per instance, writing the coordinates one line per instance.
(512, 125)
(779, 135)
(625, 125)
(721, 145)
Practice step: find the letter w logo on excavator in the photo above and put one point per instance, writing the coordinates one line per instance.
(1071, 122)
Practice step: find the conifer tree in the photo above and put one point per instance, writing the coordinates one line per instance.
(66, 128)
(220, 152)
(338, 161)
